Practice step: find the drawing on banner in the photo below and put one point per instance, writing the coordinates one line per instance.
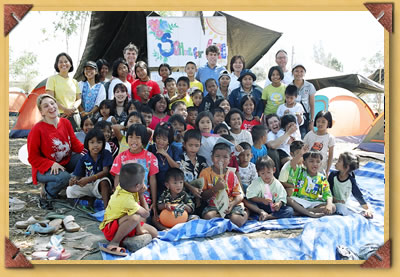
(176, 40)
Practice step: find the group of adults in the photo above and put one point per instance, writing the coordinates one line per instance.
(52, 145)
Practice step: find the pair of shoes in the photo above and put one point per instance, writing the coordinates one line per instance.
(45, 204)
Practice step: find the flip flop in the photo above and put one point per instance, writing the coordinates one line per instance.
(56, 223)
(32, 220)
(114, 250)
(55, 216)
(70, 224)
(16, 205)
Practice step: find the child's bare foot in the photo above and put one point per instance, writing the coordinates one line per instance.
(315, 215)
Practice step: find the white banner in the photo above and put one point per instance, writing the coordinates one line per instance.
(177, 40)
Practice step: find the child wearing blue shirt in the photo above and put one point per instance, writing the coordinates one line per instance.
(90, 175)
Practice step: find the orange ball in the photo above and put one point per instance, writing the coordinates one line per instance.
(168, 219)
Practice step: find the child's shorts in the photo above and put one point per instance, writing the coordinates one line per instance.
(238, 209)
(307, 203)
(91, 189)
(111, 228)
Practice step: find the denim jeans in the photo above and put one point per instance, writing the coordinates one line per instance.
(54, 183)
(284, 211)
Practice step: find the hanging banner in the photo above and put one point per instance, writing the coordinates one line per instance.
(177, 40)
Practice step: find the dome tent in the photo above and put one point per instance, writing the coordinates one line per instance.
(351, 115)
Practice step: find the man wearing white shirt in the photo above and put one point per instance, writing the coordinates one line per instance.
(281, 59)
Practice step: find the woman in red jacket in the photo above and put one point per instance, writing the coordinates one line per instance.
(51, 144)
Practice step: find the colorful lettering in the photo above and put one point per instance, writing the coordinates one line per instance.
(166, 39)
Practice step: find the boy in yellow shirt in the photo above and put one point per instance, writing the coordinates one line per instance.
(126, 210)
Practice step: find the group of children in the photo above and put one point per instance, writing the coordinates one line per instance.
(182, 148)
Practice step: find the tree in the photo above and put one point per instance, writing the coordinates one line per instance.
(69, 23)
(377, 61)
(260, 73)
(326, 59)
(23, 69)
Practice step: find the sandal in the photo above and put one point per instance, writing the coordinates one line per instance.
(70, 224)
(114, 250)
(41, 228)
(56, 223)
(58, 254)
(55, 216)
(16, 205)
(32, 220)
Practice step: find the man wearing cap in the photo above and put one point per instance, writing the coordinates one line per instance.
(306, 97)
(281, 59)
(93, 92)
(246, 80)
(224, 81)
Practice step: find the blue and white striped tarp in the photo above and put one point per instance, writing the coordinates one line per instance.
(318, 241)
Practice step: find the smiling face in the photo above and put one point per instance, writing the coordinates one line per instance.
(175, 185)
(161, 106)
(63, 65)
(236, 122)
(190, 70)
(275, 78)
(130, 56)
(267, 175)
(312, 165)
(274, 124)
(225, 106)
(171, 88)
(135, 144)
(205, 125)
(161, 142)
(299, 73)
(122, 71)
(182, 89)
(237, 65)
(212, 88)
(281, 60)
(89, 72)
(120, 95)
(49, 108)
(212, 59)
(182, 110)
(248, 107)
(95, 146)
(164, 72)
(105, 111)
(247, 82)
(141, 73)
(178, 127)
(87, 125)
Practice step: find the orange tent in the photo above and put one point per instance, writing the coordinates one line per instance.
(351, 115)
(29, 114)
(15, 101)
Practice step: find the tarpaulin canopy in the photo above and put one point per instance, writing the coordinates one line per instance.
(356, 83)
(111, 31)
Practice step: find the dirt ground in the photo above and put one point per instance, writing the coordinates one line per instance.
(83, 245)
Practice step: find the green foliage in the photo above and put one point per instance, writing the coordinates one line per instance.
(373, 63)
(23, 69)
(321, 57)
